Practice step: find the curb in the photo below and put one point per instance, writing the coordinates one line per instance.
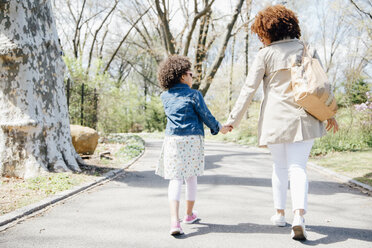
(341, 178)
(13, 217)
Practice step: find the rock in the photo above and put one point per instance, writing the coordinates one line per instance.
(84, 139)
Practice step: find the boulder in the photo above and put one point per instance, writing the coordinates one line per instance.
(84, 139)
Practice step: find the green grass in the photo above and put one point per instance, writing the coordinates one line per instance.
(16, 193)
(133, 145)
(51, 183)
(353, 134)
(246, 133)
(357, 165)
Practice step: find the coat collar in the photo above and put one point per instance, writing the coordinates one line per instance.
(180, 85)
(288, 39)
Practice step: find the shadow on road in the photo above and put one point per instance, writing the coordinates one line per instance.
(333, 234)
(144, 179)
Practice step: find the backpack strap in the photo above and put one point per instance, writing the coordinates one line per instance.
(304, 51)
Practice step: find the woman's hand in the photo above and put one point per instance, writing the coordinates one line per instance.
(225, 129)
(332, 123)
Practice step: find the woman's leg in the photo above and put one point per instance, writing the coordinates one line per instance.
(297, 157)
(174, 194)
(191, 187)
(279, 176)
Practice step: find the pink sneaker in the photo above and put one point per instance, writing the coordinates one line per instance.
(176, 229)
(189, 219)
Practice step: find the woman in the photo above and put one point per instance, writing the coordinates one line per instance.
(284, 127)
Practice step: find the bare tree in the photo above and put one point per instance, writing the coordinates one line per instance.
(211, 72)
(96, 34)
(35, 131)
(333, 28)
(203, 79)
(362, 10)
(123, 40)
(246, 37)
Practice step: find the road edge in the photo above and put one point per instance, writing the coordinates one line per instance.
(316, 167)
(17, 215)
(339, 177)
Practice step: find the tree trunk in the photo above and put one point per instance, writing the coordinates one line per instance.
(34, 122)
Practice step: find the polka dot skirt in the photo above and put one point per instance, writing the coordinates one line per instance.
(181, 157)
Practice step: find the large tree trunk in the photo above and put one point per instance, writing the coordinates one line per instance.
(34, 122)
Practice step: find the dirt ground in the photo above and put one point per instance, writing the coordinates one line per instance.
(16, 192)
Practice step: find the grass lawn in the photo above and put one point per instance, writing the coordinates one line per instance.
(357, 165)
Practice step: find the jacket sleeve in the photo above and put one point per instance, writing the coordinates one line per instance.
(253, 80)
(204, 113)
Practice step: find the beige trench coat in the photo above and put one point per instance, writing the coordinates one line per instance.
(281, 119)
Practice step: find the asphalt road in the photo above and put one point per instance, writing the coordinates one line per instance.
(234, 203)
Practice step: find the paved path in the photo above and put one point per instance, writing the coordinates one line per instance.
(234, 203)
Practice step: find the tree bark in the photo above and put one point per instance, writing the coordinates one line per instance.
(167, 35)
(197, 16)
(34, 123)
(201, 50)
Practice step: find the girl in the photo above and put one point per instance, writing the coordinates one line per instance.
(182, 157)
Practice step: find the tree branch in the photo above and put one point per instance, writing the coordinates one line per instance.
(124, 38)
(197, 16)
(96, 33)
(77, 30)
(143, 75)
(168, 37)
(221, 54)
(360, 10)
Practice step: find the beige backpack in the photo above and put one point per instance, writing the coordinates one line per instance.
(311, 87)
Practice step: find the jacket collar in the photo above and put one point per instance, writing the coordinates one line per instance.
(287, 39)
(180, 85)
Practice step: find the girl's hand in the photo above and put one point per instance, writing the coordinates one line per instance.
(332, 123)
(225, 129)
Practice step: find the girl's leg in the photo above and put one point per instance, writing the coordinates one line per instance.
(191, 187)
(174, 193)
(279, 176)
(297, 156)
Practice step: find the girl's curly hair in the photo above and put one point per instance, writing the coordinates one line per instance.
(172, 69)
(276, 23)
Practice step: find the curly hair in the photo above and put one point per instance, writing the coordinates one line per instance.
(276, 23)
(172, 69)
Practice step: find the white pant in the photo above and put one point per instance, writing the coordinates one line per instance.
(174, 189)
(290, 161)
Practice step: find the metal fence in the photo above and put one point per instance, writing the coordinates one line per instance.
(82, 102)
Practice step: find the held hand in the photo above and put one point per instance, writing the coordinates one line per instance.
(225, 129)
(332, 123)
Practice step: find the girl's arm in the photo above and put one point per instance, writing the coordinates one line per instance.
(204, 113)
(254, 78)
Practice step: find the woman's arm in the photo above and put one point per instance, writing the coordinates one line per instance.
(254, 78)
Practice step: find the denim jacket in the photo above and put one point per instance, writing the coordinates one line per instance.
(186, 111)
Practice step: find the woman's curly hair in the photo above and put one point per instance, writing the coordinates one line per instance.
(276, 23)
(172, 69)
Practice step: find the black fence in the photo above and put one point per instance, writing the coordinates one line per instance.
(82, 102)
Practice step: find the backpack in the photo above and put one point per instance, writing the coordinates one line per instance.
(311, 88)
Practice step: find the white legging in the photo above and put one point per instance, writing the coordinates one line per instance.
(174, 189)
(290, 160)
